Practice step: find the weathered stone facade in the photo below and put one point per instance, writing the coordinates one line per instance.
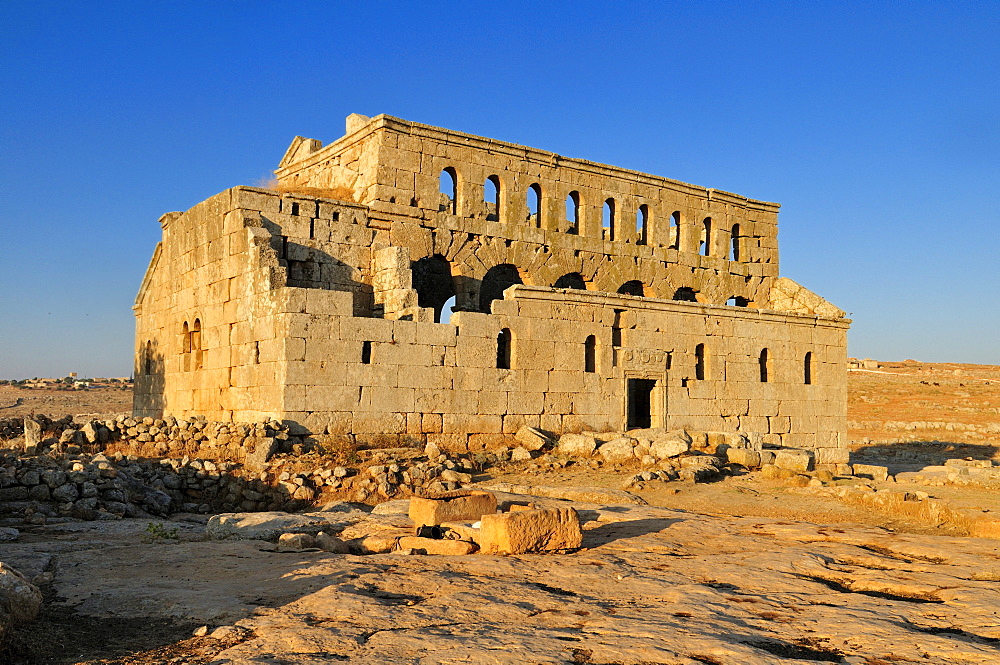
(322, 312)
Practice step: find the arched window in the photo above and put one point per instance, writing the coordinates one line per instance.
(573, 213)
(491, 196)
(432, 280)
(762, 361)
(449, 191)
(706, 237)
(196, 343)
(505, 340)
(675, 230)
(590, 354)
(571, 280)
(497, 280)
(632, 287)
(699, 362)
(608, 219)
(147, 358)
(686, 294)
(735, 242)
(534, 201)
(807, 368)
(185, 339)
(642, 224)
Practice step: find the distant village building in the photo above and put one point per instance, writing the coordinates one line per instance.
(587, 297)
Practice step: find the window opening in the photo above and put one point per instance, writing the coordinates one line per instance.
(366, 353)
(448, 310)
(504, 342)
(762, 361)
(632, 287)
(807, 368)
(675, 230)
(433, 282)
(608, 219)
(196, 343)
(312, 229)
(705, 247)
(295, 208)
(534, 201)
(640, 403)
(147, 359)
(573, 213)
(256, 353)
(686, 293)
(616, 328)
(497, 280)
(571, 280)
(590, 354)
(699, 362)
(449, 190)
(491, 196)
(642, 224)
(735, 242)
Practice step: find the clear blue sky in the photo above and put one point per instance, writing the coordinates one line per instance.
(875, 125)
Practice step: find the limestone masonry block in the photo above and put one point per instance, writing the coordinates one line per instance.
(543, 530)
(457, 506)
(793, 460)
(576, 445)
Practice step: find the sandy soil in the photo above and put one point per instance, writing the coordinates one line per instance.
(97, 402)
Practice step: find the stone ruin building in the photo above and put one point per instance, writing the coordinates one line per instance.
(587, 297)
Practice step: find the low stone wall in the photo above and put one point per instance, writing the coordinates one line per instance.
(100, 469)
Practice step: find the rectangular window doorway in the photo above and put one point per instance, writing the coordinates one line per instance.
(640, 403)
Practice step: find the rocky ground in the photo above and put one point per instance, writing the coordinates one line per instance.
(744, 570)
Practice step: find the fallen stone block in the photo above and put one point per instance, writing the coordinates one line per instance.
(667, 447)
(744, 457)
(532, 438)
(832, 455)
(331, 544)
(457, 506)
(464, 530)
(875, 472)
(772, 471)
(524, 531)
(433, 546)
(264, 447)
(20, 601)
(373, 544)
(32, 436)
(576, 445)
(290, 542)
(618, 450)
(793, 460)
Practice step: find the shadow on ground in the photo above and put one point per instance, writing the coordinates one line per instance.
(612, 531)
(923, 452)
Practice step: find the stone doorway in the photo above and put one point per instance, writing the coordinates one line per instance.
(640, 406)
